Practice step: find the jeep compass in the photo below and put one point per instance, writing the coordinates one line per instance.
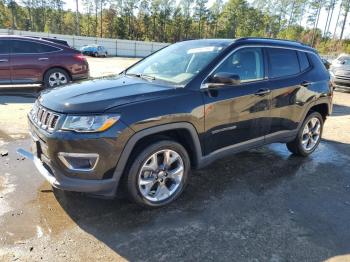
(180, 108)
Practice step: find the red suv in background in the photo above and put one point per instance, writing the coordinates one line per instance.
(27, 60)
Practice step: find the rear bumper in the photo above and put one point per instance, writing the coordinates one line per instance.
(81, 76)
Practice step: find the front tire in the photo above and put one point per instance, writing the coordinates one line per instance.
(158, 174)
(309, 136)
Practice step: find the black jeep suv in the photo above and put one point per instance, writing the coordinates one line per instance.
(180, 108)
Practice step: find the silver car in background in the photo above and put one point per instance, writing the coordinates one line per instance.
(340, 71)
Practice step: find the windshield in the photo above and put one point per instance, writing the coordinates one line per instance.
(178, 63)
(345, 60)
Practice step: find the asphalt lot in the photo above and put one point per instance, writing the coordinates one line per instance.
(259, 205)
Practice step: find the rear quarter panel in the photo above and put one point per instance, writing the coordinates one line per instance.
(65, 59)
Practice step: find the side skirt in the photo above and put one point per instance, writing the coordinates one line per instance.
(278, 137)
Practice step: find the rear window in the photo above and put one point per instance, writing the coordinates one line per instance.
(304, 61)
(282, 62)
(29, 47)
(4, 47)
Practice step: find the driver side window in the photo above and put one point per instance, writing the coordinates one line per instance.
(247, 63)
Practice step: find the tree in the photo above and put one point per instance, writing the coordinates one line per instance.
(346, 7)
(88, 8)
(200, 12)
(214, 14)
(78, 17)
(314, 16)
(186, 6)
(171, 21)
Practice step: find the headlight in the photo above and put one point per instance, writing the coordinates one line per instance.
(97, 123)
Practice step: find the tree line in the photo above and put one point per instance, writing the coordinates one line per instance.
(176, 20)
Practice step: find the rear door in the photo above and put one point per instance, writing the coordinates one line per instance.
(289, 85)
(5, 68)
(29, 61)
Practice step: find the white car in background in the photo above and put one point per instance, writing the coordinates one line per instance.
(340, 71)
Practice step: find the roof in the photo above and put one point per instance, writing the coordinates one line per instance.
(38, 39)
(258, 41)
(275, 41)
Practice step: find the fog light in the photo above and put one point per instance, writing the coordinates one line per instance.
(79, 161)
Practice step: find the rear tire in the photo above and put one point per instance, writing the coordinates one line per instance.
(158, 174)
(56, 77)
(309, 136)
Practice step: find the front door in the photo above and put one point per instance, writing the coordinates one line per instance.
(236, 114)
(5, 67)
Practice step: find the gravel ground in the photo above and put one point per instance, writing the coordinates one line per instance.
(259, 205)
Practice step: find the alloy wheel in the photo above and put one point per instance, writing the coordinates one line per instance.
(161, 175)
(57, 79)
(311, 134)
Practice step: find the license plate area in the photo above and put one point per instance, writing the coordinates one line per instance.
(36, 147)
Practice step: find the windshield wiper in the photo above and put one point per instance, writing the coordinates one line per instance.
(143, 76)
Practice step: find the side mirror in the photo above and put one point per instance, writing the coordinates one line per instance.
(223, 78)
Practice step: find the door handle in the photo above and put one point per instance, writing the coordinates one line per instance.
(4, 60)
(305, 83)
(43, 58)
(263, 92)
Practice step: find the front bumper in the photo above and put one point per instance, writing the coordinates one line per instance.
(102, 180)
(58, 180)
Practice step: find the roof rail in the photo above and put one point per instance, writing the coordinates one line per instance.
(267, 38)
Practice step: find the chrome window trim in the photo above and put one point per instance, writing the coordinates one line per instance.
(204, 85)
(62, 155)
(27, 40)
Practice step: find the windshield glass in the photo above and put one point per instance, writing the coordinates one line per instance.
(345, 60)
(179, 63)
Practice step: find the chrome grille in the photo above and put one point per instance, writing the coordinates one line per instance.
(44, 118)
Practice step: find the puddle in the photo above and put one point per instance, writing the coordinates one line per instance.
(5, 189)
(28, 206)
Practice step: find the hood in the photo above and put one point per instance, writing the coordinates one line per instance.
(99, 95)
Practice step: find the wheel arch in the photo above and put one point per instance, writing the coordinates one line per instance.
(181, 132)
(321, 108)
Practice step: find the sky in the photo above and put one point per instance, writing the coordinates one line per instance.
(70, 4)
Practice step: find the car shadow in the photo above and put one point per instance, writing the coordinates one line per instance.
(213, 213)
(24, 98)
(340, 110)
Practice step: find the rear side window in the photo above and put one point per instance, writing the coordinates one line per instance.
(29, 47)
(47, 48)
(304, 61)
(282, 62)
(4, 47)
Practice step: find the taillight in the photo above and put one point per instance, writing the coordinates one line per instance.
(80, 57)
